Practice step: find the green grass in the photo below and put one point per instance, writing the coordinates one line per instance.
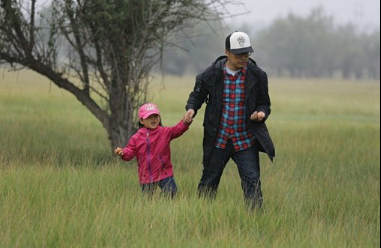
(60, 186)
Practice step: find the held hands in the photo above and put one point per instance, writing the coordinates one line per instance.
(257, 116)
(118, 151)
(188, 118)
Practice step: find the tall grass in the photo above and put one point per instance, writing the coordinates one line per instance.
(60, 186)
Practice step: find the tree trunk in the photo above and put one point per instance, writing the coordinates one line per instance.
(121, 122)
(118, 134)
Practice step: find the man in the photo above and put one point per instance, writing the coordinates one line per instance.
(235, 90)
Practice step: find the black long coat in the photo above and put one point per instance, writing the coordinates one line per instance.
(209, 89)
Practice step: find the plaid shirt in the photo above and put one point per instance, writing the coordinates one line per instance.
(233, 123)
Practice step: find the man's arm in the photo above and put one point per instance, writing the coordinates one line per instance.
(196, 98)
(263, 109)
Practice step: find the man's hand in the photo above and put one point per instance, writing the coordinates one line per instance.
(118, 151)
(189, 116)
(257, 116)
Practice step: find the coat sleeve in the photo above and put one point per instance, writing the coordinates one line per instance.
(263, 100)
(178, 130)
(129, 151)
(198, 96)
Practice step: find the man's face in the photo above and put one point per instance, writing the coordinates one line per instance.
(237, 61)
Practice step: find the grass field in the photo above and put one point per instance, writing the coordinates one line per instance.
(60, 186)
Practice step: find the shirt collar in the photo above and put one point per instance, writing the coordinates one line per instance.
(242, 71)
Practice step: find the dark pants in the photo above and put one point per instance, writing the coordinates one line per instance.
(248, 167)
(168, 187)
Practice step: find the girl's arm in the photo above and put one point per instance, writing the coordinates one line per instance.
(179, 129)
(129, 151)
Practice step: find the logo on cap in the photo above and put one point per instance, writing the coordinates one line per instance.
(241, 41)
(149, 107)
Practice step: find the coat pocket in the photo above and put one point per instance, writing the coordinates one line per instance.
(162, 162)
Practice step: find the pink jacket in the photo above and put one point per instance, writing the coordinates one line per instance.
(151, 148)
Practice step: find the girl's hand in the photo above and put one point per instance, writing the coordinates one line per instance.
(118, 151)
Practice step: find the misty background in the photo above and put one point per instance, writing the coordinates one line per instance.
(364, 13)
(335, 38)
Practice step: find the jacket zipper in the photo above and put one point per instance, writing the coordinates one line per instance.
(149, 157)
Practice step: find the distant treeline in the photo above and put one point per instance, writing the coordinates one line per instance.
(294, 46)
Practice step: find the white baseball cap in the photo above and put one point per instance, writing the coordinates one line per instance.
(238, 43)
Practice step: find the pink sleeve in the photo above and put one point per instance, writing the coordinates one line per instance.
(178, 130)
(130, 150)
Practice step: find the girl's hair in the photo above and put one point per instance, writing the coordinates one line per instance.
(141, 125)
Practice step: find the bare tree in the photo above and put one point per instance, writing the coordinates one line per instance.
(109, 48)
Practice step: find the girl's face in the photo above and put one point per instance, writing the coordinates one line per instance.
(151, 122)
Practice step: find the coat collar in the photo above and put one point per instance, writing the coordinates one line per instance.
(144, 131)
(250, 81)
(219, 63)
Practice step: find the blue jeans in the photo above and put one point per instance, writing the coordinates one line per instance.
(167, 185)
(247, 162)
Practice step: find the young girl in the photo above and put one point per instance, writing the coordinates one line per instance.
(150, 145)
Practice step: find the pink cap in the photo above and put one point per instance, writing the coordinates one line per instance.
(148, 109)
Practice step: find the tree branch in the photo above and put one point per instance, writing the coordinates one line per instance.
(31, 25)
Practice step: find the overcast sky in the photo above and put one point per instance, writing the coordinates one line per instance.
(363, 13)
